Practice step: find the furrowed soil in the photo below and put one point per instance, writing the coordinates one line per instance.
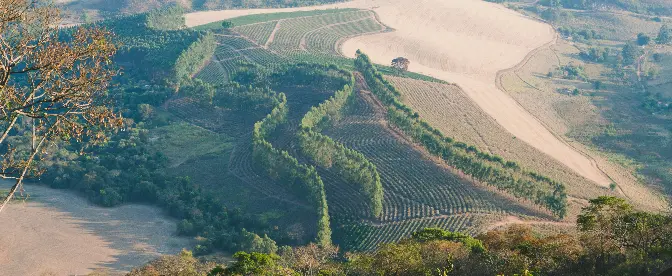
(55, 232)
(465, 42)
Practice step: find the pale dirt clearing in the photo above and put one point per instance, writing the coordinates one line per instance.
(467, 42)
(464, 42)
(58, 232)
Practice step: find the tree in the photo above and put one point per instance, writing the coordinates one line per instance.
(643, 39)
(629, 53)
(401, 64)
(227, 24)
(664, 36)
(52, 87)
(597, 84)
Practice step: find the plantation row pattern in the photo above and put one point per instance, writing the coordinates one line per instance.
(300, 179)
(349, 164)
(490, 169)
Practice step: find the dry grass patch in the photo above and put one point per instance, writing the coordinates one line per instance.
(580, 117)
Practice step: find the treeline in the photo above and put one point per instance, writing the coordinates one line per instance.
(611, 239)
(302, 180)
(638, 6)
(146, 53)
(490, 169)
(192, 59)
(350, 164)
(127, 169)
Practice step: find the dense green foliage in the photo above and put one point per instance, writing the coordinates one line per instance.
(490, 169)
(147, 53)
(611, 239)
(301, 179)
(166, 19)
(192, 59)
(257, 18)
(350, 164)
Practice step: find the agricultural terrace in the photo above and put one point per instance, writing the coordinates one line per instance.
(418, 190)
(273, 39)
(447, 108)
(464, 42)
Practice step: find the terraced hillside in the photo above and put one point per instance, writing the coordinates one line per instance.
(419, 190)
(307, 37)
(448, 109)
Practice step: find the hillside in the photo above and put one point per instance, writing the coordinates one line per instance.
(274, 130)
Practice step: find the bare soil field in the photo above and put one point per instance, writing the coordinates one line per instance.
(465, 42)
(58, 232)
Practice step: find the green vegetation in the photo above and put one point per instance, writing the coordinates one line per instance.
(193, 58)
(282, 167)
(258, 18)
(612, 239)
(350, 164)
(490, 169)
(638, 6)
(595, 55)
(572, 72)
(166, 19)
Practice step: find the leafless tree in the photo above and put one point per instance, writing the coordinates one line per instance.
(52, 87)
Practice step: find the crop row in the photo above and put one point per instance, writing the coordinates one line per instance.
(351, 165)
(490, 169)
(414, 186)
(367, 237)
(235, 41)
(301, 180)
(326, 40)
(259, 33)
(291, 33)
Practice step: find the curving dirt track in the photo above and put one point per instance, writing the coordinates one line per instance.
(466, 42)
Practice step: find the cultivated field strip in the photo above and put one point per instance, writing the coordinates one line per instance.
(448, 109)
(292, 31)
(344, 200)
(368, 236)
(235, 42)
(326, 40)
(242, 166)
(415, 187)
(259, 33)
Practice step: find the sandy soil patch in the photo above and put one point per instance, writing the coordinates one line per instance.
(465, 42)
(58, 232)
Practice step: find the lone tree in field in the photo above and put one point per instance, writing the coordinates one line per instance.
(401, 64)
(643, 39)
(52, 87)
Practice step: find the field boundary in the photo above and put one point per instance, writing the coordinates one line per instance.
(561, 138)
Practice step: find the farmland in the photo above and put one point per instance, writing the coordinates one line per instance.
(270, 39)
(262, 131)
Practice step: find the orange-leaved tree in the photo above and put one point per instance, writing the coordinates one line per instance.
(53, 87)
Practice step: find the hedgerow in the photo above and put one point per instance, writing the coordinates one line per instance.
(490, 169)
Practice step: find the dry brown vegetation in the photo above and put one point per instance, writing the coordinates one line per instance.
(576, 116)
